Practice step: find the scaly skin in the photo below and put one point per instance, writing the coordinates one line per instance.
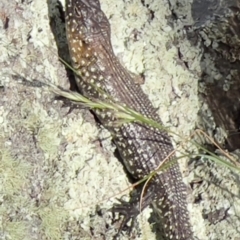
(142, 147)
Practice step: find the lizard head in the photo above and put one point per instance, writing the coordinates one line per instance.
(86, 22)
(87, 28)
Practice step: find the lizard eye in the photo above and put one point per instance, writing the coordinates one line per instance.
(77, 12)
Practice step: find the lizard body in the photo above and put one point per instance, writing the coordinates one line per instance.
(100, 76)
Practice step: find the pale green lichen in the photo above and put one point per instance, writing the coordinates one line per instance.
(15, 230)
(13, 178)
(48, 139)
(52, 221)
(13, 173)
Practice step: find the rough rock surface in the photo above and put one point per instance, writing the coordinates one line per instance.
(57, 165)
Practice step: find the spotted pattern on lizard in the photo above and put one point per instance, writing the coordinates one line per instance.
(100, 76)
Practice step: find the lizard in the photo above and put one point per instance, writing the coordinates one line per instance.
(100, 75)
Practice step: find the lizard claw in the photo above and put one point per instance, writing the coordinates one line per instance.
(129, 211)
